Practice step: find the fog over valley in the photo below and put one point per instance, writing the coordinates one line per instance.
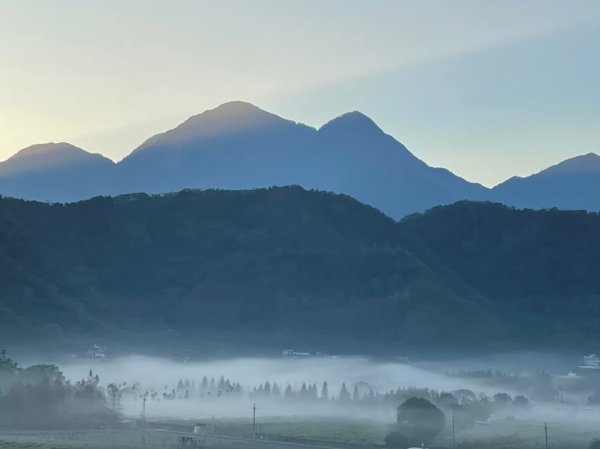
(336, 224)
(305, 387)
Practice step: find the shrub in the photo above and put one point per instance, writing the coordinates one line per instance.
(419, 421)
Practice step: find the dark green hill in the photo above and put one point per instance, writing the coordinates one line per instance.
(283, 267)
(543, 267)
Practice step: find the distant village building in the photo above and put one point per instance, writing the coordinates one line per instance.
(290, 353)
(569, 380)
(590, 362)
(96, 352)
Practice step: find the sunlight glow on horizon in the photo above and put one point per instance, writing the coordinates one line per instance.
(486, 89)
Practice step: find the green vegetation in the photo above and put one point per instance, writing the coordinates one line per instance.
(540, 267)
(498, 434)
(40, 397)
(418, 422)
(285, 267)
(30, 443)
(323, 429)
(353, 431)
(525, 433)
(334, 432)
(21, 445)
(104, 439)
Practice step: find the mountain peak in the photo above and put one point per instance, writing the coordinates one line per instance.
(227, 119)
(42, 149)
(237, 106)
(353, 123)
(231, 115)
(584, 163)
(48, 155)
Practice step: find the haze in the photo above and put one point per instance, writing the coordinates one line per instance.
(382, 376)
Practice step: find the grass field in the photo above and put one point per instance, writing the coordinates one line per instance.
(527, 434)
(498, 434)
(21, 445)
(335, 430)
(330, 432)
(94, 439)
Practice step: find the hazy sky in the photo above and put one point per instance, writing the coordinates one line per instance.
(486, 88)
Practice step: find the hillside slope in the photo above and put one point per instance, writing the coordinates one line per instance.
(288, 267)
(572, 184)
(540, 265)
(279, 267)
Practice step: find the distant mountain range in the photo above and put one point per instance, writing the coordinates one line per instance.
(572, 184)
(57, 172)
(239, 146)
(286, 267)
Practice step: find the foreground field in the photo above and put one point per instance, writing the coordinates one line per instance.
(82, 439)
(505, 433)
(347, 431)
(510, 433)
(302, 432)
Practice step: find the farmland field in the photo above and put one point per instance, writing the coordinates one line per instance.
(324, 430)
(298, 432)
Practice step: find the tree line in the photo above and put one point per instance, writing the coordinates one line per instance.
(40, 396)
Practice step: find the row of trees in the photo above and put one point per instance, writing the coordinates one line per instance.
(539, 386)
(465, 404)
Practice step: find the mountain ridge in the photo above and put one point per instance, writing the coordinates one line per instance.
(237, 145)
(570, 184)
(285, 267)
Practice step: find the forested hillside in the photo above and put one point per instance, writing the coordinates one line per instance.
(540, 264)
(282, 267)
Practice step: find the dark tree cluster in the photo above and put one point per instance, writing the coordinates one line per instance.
(418, 422)
(39, 396)
(190, 389)
(594, 399)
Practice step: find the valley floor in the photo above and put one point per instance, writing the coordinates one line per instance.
(299, 432)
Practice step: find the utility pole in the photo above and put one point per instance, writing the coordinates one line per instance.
(254, 420)
(144, 408)
(546, 433)
(453, 434)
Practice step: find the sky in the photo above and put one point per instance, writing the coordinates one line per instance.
(488, 89)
